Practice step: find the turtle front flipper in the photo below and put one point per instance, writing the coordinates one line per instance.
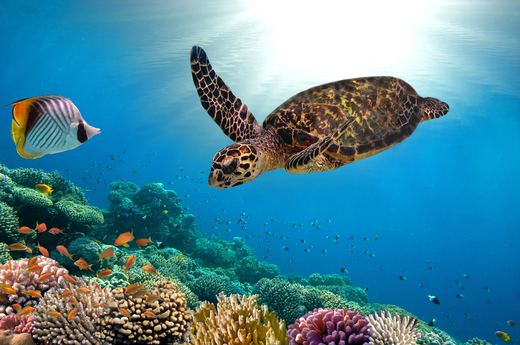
(312, 158)
(228, 111)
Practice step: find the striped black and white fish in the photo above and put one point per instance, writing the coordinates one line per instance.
(48, 124)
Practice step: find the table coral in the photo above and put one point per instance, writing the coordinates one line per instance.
(81, 328)
(239, 320)
(170, 325)
(80, 213)
(330, 326)
(15, 274)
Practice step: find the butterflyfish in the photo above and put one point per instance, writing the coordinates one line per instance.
(48, 124)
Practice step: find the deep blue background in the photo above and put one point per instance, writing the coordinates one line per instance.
(447, 196)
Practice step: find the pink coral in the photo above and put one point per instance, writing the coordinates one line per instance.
(327, 326)
(17, 324)
(15, 274)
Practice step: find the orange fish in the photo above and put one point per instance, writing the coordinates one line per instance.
(17, 307)
(95, 305)
(70, 279)
(105, 273)
(66, 293)
(26, 311)
(149, 313)
(35, 268)
(106, 254)
(72, 314)
(25, 230)
(83, 265)
(8, 289)
(55, 231)
(33, 293)
(32, 261)
(41, 227)
(104, 305)
(151, 298)
(124, 238)
(19, 246)
(129, 262)
(42, 250)
(125, 312)
(83, 290)
(132, 288)
(72, 301)
(149, 269)
(44, 277)
(143, 242)
(53, 313)
(139, 294)
(64, 251)
(44, 189)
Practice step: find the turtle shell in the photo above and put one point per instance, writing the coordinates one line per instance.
(387, 110)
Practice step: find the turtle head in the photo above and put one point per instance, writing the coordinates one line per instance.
(432, 108)
(235, 165)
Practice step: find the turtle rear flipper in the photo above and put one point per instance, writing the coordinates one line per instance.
(228, 111)
(312, 159)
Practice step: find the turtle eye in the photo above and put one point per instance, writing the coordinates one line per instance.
(229, 166)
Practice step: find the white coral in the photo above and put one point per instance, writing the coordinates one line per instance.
(393, 330)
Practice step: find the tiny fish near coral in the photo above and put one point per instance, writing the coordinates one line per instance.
(41, 227)
(83, 265)
(149, 269)
(42, 250)
(107, 253)
(64, 251)
(129, 262)
(143, 242)
(124, 238)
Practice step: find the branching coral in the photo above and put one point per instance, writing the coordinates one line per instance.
(163, 322)
(80, 329)
(15, 274)
(327, 326)
(18, 324)
(393, 330)
(238, 321)
(284, 298)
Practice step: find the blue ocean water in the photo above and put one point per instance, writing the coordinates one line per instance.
(446, 198)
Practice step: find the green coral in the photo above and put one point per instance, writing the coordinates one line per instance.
(436, 337)
(32, 197)
(250, 270)
(477, 341)
(80, 213)
(284, 298)
(208, 286)
(4, 254)
(315, 298)
(316, 279)
(8, 223)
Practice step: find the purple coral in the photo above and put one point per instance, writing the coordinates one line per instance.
(325, 326)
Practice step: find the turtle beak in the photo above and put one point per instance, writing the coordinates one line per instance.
(215, 179)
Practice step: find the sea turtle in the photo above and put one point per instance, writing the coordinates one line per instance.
(320, 129)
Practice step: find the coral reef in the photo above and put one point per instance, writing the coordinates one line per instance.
(435, 336)
(250, 270)
(17, 324)
(314, 298)
(164, 321)
(394, 330)
(10, 338)
(477, 341)
(284, 298)
(4, 253)
(207, 287)
(15, 274)
(81, 328)
(80, 213)
(239, 320)
(8, 223)
(327, 326)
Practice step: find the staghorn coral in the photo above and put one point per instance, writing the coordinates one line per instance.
(327, 326)
(80, 213)
(238, 321)
(169, 326)
(8, 337)
(8, 223)
(15, 274)
(81, 328)
(284, 298)
(394, 330)
(17, 324)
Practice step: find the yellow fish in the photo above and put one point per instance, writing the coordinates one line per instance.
(44, 189)
(48, 124)
(504, 336)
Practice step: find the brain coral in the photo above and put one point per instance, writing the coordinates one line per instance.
(80, 213)
(15, 274)
(81, 328)
(239, 320)
(170, 324)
